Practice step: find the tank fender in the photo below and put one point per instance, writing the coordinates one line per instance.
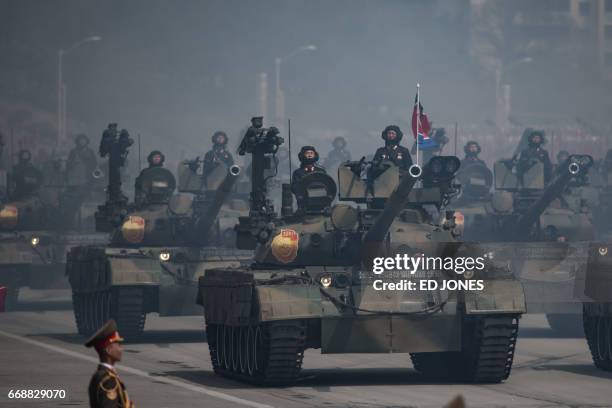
(498, 296)
(281, 302)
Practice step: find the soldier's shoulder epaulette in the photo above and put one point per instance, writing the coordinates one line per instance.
(109, 382)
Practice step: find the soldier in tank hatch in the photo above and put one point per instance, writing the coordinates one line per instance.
(155, 184)
(219, 153)
(308, 164)
(392, 150)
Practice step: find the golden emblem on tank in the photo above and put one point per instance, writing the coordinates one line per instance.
(285, 245)
(8, 216)
(133, 229)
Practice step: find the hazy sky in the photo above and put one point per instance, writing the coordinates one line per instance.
(175, 71)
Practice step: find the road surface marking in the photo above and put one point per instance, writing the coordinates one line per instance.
(140, 373)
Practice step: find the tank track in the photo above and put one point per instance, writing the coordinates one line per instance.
(488, 351)
(91, 310)
(270, 353)
(128, 311)
(125, 305)
(598, 333)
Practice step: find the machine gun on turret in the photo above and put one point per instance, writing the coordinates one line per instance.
(262, 143)
(115, 144)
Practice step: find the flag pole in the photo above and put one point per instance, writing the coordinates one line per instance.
(418, 120)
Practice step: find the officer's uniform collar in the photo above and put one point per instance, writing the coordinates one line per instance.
(108, 366)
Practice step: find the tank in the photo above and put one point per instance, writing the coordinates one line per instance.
(549, 224)
(311, 284)
(596, 292)
(157, 248)
(37, 228)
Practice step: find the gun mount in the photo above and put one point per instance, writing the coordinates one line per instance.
(206, 215)
(262, 143)
(115, 144)
(574, 169)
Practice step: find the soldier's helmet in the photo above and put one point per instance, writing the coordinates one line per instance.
(532, 138)
(306, 160)
(81, 140)
(156, 158)
(562, 156)
(397, 131)
(219, 138)
(24, 156)
(339, 143)
(467, 149)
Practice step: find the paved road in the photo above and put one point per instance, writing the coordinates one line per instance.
(170, 367)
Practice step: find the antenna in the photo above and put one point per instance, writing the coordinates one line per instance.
(289, 136)
(139, 154)
(455, 138)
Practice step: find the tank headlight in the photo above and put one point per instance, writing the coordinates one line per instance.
(326, 280)
(164, 256)
(34, 241)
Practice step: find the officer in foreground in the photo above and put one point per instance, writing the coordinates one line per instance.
(106, 390)
(219, 153)
(392, 151)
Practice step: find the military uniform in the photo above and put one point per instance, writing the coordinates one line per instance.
(392, 150)
(534, 152)
(531, 154)
(469, 160)
(308, 165)
(218, 154)
(397, 154)
(106, 390)
(81, 163)
(338, 154)
(155, 184)
(303, 171)
(26, 178)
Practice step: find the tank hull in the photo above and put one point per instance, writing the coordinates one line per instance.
(40, 266)
(133, 282)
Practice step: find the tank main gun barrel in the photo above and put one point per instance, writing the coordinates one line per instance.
(395, 204)
(207, 218)
(575, 166)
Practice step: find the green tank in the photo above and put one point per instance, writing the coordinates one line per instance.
(596, 289)
(597, 304)
(36, 231)
(157, 249)
(311, 284)
(548, 223)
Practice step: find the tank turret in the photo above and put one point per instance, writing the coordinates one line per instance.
(575, 169)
